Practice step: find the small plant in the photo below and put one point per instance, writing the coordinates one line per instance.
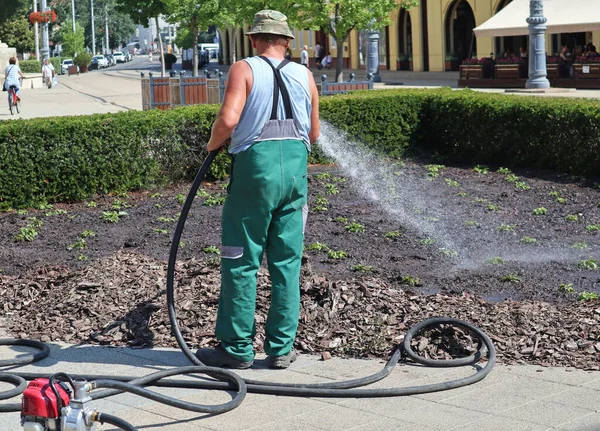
(34, 222)
(580, 245)
(362, 268)
(462, 194)
(44, 206)
(431, 218)
(410, 281)
(433, 171)
(504, 171)
(492, 208)
(155, 195)
(317, 246)
(203, 193)
(28, 234)
(321, 200)
(572, 217)
(554, 194)
(181, 244)
(180, 198)
(354, 227)
(340, 254)
(87, 234)
(55, 212)
(82, 257)
(118, 204)
(331, 189)
(481, 170)
(590, 264)
(91, 204)
(568, 288)
(319, 209)
(448, 253)
(511, 178)
(211, 249)
(323, 176)
(166, 219)
(341, 219)
(471, 223)
(506, 228)
(521, 185)
(122, 195)
(215, 200)
(112, 216)
(80, 244)
(480, 200)
(159, 206)
(21, 212)
(540, 211)
(161, 231)
(593, 228)
(512, 278)
(338, 180)
(588, 296)
(428, 241)
(452, 183)
(528, 240)
(496, 261)
(560, 200)
(394, 234)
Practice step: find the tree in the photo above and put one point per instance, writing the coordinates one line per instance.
(72, 43)
(195, 16)
(339, 18)
(9, 9)
(234, 14)
(18, 33)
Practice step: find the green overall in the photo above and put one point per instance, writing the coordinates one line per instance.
(263, 213)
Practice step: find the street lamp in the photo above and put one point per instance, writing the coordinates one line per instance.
(537, 46)
(373, 54)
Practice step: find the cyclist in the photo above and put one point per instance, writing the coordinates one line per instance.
(11, 76)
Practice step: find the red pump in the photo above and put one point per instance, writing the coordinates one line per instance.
(39, 406)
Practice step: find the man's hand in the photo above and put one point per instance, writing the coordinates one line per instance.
(212, 146)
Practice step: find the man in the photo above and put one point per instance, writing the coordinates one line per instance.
(317, 53)
(270, 113)
(48, 73)
(304, 56)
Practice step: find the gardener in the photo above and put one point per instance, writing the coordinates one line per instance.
(271, 113)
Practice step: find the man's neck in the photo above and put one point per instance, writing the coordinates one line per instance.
(274, 52)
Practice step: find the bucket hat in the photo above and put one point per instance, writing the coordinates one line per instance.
(271, 22)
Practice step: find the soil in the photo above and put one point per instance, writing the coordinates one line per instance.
(458, 244)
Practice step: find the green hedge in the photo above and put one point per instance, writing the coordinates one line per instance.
(71, 158)
(30, 66)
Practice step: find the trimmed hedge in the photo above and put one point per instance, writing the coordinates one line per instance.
(71, 158)
(34, 66)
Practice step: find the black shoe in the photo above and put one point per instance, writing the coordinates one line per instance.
(282, 362)
(219, 357)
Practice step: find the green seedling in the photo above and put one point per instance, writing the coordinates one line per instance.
(431, 218)
(561, 201)
(34, 222)
(80, 244)
(512, 278)
(215, 200)
(462, 194)
(319, 209)
(580, 245)
(588, 296)
(317, 246)
(511, 178)
(411, 281)
(180, 198)
(338, 180)
(504, 171)
(122, 195)
(161, 231)
(331, 189)
(82, 257)
(320, 200)
(341, 219)
(572, 217)
(593, 228)
(156, 195)
(394, 234)
(417, 210)
(211, 249)
(112, 216)
(540, 211)
(55, 212)
(590, 264)
(528, 240)
(471, 223)
(452, 183)
(448, 253)
(159, 206)
(362, 268)
(567, 288)
(480, 200)
(521, 185)
(433, 171)
(181, 244)
(492, 208)
(554, 194)
(506, 228)
(340, 254)
(354, 227)
(21, 212)
(481, 170)
(120, 205)
(203, 193)
(496, 261)
(166, 219)
(27, 234)
(323, 176)
(87, 234)
(91, 204)
(44, 206)
(428, 241)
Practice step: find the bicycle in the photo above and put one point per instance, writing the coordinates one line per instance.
(13, 100)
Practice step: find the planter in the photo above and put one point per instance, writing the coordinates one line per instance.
(83, 69)
(507, 71)
(471, 71)
(586, 71)
(448, 66)
(552, 71)
(403, 65)
(72, 70)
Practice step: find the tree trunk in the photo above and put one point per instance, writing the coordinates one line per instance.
(234, 32)
(195, 32)
(339, 67)
(160, 45)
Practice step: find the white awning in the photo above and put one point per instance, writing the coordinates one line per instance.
(564, 16)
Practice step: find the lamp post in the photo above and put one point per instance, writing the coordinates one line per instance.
(373, 54)
(93, 29)
(37, 35)
(537, 46)
(73, 13)
(45, 51)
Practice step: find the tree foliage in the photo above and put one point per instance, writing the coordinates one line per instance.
(17, 33)
(10, 8)
(72, 43)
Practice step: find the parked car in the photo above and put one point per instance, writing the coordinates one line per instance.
(127, 55)
(64, 66)
(100, 61)
(119, 57)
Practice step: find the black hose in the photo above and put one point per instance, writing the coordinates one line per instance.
(44, 351)
(113, 420)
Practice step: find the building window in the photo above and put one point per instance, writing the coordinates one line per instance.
(331, 41)
(294, 39)
(310, 38)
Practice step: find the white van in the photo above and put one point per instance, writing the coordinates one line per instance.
(213, 49)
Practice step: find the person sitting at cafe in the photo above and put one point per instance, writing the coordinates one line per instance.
(522, 52)
(591, 50)
(566, 67)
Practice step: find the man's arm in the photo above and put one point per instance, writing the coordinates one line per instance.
(315, 125)
(239, 84)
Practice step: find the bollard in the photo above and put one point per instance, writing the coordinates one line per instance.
(369, 76)
(142, 74)
(352, 77)
(323, 78)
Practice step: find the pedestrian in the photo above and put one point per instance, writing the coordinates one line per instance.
(270, 116)
(48, 73)
(11, 76)
(304, 56)
(317, 53)
(329, 60)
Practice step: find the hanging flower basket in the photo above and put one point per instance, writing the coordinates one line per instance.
(42, 17)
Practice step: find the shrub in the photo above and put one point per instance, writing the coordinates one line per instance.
(30, 66)
(83, 59)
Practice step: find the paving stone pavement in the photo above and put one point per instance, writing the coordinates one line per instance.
(515, 398)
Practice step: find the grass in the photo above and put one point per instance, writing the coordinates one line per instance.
(362, 268)
(510, 278)
(394, 234)
(496, 261)
(317, 246)
(506, 228)
(339, 254)
(590, 264)
(211, 249)
(528, 240)
(540, 211)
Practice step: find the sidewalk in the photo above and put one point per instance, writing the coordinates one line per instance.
(511, 398)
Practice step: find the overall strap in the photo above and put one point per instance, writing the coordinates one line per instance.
(278, 85)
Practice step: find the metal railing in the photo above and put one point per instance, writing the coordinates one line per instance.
(330, 88)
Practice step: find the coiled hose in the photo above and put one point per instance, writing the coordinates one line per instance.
(227, 380)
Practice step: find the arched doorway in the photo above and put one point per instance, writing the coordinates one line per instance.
(404, 41)
(460, 22)
(508, 45)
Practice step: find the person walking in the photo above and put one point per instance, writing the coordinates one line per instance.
(12, 75)
(317, 53)
(304, 56)
(48, 73)
(269, 117)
